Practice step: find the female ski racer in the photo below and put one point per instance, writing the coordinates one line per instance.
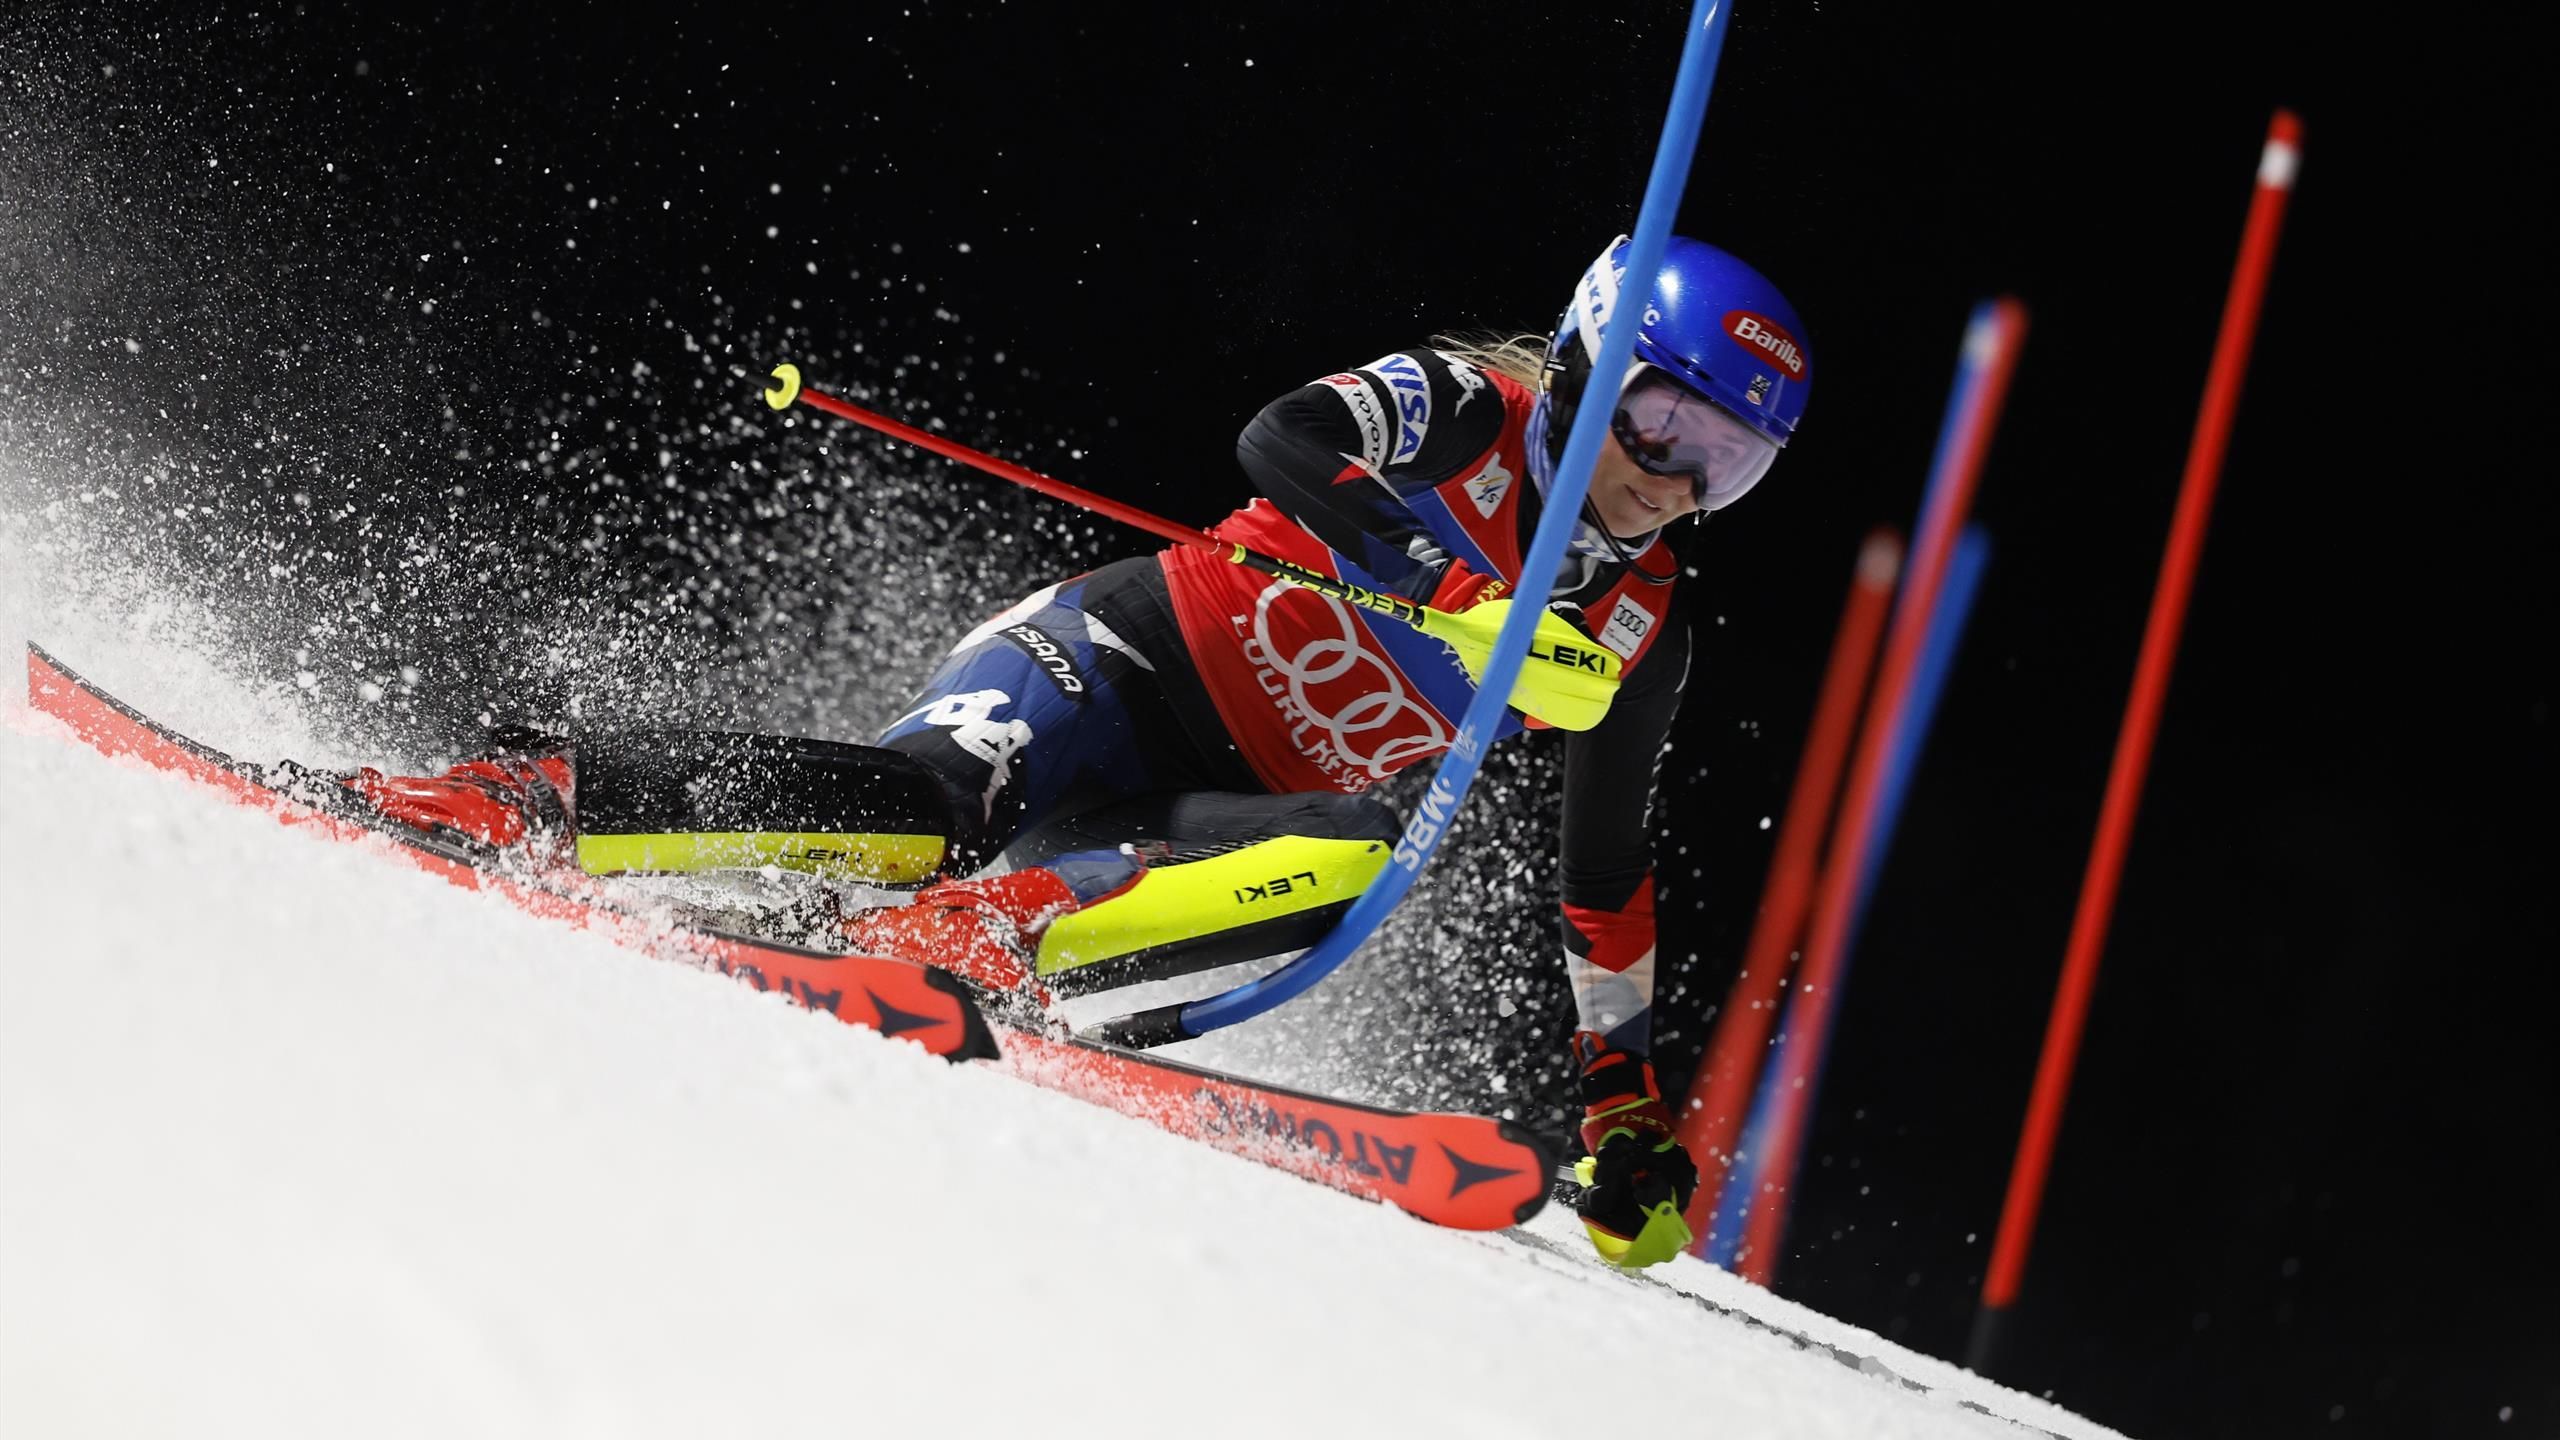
(1167, 755)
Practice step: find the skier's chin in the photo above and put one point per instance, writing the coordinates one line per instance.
(1631, 529)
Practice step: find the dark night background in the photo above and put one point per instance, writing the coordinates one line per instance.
(2304, 1182)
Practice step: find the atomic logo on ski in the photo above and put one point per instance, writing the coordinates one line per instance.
(1360, 1149)
(893, 1021)
(1366, 1155)
(813, 979)
(1471, 1174)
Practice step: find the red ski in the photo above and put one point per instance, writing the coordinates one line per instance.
(1468, 1172)
(893, 997)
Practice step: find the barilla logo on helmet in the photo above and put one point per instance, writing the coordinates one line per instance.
(1766, 337)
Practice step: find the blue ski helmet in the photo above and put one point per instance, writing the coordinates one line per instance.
(1714, 325)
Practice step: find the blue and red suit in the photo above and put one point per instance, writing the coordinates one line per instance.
(1182, 671)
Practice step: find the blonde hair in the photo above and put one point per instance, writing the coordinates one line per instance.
(1522, 357)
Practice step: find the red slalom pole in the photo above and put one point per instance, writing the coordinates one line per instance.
(1720, 1095)
(1992, 341)
(2276, 165)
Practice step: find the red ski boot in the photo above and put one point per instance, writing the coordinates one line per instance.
(501, 800)
(985, 931)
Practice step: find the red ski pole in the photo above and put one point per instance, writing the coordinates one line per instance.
(787, 387)
(1570, 687)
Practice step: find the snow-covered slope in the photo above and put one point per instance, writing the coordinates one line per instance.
(296, 1141)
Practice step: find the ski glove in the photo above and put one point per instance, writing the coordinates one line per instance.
(1637, 1180)
(1460, 587)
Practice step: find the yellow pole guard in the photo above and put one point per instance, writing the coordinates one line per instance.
(1263, 881)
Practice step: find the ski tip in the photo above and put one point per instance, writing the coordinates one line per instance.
(786, 386)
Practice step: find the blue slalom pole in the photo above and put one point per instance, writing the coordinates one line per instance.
(1457, 771)
(1928, 682)
(1742, 1179)
(1937, 657)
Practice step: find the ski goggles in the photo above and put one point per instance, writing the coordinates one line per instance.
(1672, 431)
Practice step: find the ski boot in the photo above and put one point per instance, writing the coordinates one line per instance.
(1637, 1180)
(506, 801)
(1102, 919)
(986, 931)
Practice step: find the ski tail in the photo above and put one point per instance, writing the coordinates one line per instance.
(894, 997)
